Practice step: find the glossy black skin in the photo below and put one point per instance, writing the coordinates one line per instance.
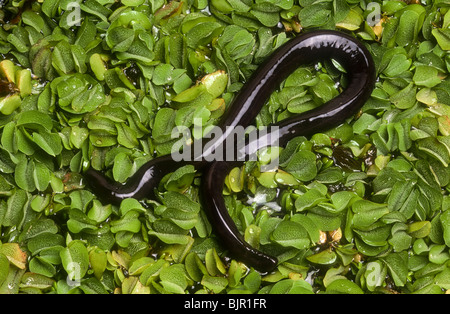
(302, 50)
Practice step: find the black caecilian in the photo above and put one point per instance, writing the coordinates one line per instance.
(305, 49)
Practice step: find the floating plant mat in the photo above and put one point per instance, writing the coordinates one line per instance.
(361, 208)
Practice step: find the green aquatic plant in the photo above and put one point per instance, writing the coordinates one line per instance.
(361, 208)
